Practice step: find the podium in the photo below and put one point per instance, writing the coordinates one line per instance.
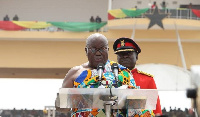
(107, 98)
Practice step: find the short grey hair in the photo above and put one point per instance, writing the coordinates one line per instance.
(96, 35)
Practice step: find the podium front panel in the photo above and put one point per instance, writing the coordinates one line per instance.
(96, 98)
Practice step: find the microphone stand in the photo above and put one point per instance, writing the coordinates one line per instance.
(111, 102)
(116, 82)
(112, 99)
(100, 82)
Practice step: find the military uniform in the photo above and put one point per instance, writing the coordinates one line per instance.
(144, 80)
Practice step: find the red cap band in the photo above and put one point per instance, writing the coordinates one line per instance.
(126, 44)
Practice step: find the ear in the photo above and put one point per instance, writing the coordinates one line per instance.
(86, 50)
(137, 56)
(108, 48)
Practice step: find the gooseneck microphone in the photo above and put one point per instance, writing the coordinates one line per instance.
(100, 68)
(115, 70)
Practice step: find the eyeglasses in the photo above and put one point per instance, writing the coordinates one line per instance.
(101, 50)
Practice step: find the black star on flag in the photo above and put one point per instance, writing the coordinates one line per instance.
(156, 18)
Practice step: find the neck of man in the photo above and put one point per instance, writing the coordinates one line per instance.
(131, 68)
(91, 67)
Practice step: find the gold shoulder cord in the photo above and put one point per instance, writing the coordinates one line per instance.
(141, 72)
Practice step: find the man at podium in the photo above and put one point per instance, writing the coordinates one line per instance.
(127, 54)
(97, 73)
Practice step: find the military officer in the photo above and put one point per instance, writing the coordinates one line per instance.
(127, 54)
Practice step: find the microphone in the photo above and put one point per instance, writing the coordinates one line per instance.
(100, 68)
(115, 70)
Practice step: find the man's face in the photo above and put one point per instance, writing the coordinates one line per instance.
(127, 59)
(97, 52)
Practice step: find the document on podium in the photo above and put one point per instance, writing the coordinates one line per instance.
(97, 97)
